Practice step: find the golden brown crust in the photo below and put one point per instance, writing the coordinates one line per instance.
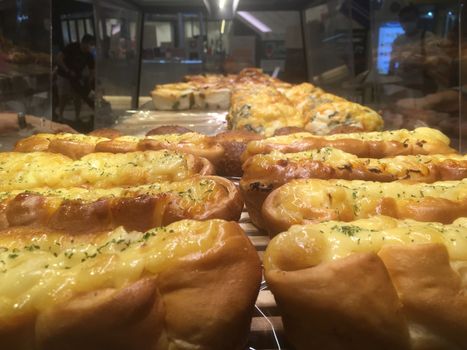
(339, 287)
(351, 200)
(346, 304)
(354, 144)
(70, 148)
(264, 174)
(288, 130)
(77, 146)
(168, 129)
(431, 292)
(107, 133)
(32, 144)
(199, 301)
(234, 144)
(139, 209)
(131, 318)
(212, 151)
(117, 146)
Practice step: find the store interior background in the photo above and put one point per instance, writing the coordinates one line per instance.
(343, 46)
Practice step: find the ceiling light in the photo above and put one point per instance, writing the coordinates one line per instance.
(223, 26)
(255, 22)
(222, 4)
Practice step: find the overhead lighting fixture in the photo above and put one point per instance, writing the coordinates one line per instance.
(221, 9)
(255, 22)
(223, 26)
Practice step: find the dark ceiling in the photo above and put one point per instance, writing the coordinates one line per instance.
(245, 5)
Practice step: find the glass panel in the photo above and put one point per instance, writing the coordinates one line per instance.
(65, 32)
(72, 103)
(81, 29)
(73, 32)
(117, 60)
(89, 27)
(25, 61)
(402, 60)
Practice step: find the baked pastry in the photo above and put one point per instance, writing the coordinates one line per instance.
(106, 133)
(234, 144)
(174, 97)
(312, 201)
(193, 143)
(135, 208)
(191, 95)
(366, 145)
(329, 116)
(77, 145)
(262, 109)
(190, 285)
(23, 171)
(168, 129)
(72, 145)
(265, 172)
(377, 283)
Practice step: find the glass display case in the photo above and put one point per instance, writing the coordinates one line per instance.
(25, 61)
(406, 60)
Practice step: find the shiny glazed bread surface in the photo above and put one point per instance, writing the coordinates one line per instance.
(190, 285)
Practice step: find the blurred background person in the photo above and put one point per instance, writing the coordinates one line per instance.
(71, 84)
(416, 57)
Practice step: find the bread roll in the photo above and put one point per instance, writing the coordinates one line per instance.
(366, 145)
(265, 172)
(312, 201)
(377, 283)
(141, 208)
(76, 146)
(23, 171)
(190, 285)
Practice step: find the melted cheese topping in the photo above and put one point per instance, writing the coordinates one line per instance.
(330, 115)
(189, 191)
(398, 166)
(309, 245)
(38, 270)
(192, 137)
(88, 139)
(100, 170)
(175, 139)
(262, 109)
(357, 199)
(420, 134)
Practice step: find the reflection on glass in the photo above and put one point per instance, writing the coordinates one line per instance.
(81, 29)
(89, 26)
(73, 33)
(25, 57)
(65, 33)
(117, 60)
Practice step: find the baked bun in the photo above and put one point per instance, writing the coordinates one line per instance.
(288, 130)
(190, 285)
(168, 129)
(135, 208)
(312, 201)
(23, 171)
(378, 283)
(106, 132)
(234, 144)
(192, 143)
(265, 172)
(77, 146)
(71, 145)
(366, 145)
(261, 109)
